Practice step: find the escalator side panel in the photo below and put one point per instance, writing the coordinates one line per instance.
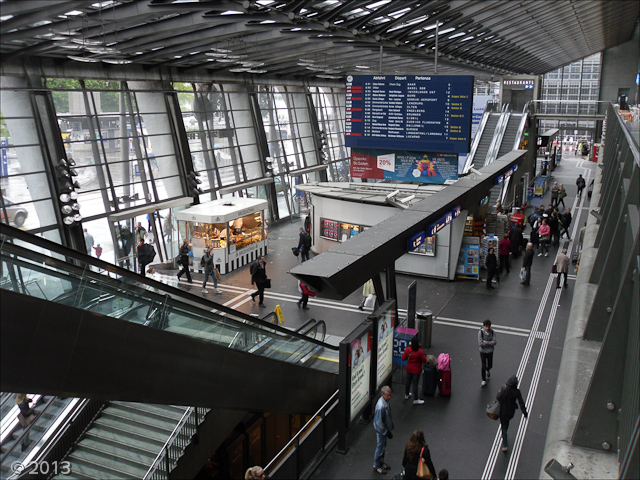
(60, 350)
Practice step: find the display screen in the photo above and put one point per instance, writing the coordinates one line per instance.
(409, 112)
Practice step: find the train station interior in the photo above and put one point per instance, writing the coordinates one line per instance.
(222, 224)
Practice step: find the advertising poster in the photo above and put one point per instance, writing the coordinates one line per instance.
(385, 347)
(402, 165)
(360, 371)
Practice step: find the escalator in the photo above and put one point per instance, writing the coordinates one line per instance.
(95, 330)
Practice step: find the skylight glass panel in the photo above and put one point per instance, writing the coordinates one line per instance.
(378, 4)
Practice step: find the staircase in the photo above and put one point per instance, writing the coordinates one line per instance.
(124, 441)
(485, 141)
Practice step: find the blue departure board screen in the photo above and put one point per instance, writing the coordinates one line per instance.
(409, 112)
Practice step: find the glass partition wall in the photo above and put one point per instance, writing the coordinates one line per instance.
(137, 150)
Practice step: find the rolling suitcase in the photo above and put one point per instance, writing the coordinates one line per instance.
(444, 374)
(429, 381)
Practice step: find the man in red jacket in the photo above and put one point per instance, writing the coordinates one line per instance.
(415, 358)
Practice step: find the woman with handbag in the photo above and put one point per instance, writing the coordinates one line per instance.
(545, 237)
(417, 458)
(509, 397)
(306, 292)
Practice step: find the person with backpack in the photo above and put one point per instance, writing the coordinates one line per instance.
(306, 292)
(304, 245)
(486, 344)
(580, 183)
(259, 278)
(509, 396)
(415, 358)
(209, 270)
(566, 223)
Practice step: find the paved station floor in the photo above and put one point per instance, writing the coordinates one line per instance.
(530, 323)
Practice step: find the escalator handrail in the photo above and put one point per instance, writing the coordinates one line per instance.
(8, 231)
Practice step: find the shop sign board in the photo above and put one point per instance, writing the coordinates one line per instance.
(403, 165)
(385, 347)
(444, 221)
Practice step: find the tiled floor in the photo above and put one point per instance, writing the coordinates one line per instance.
(530, 323)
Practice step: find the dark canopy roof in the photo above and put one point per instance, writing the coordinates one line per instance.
(326, 38)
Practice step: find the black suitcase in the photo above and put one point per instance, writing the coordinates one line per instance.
(429, 381)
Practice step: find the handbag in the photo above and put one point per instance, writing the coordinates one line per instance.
(218, 276)
(267, 283)
(295, 250)
(370, 301)
(554, 268)
(523, 274)
(423, 469)
(493, 410)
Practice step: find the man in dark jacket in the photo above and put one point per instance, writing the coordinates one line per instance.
(304, 245)
(516, 240)
(146, 254)
(259, 279)
(508, 396)
(555, 228)
(527, 261)
(185, 249)
(566, 222)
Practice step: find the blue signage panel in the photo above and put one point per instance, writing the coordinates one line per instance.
(409, 112)
(416, 241)
(443, 221)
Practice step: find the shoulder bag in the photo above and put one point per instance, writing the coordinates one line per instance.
(554, 268)
(493, 410)
(423, 469)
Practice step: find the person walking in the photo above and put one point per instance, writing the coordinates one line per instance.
(88, 241)
(491, 263)
(508, 396)
(566, 223)
(527, 261)
(516, 240)
(367, 289)
(580, 183)
(415, 358)
(562, 192)
(306, 292)
(146, 254)
(259, 279)
(554, 194)
(140, 232)
(486, 344)
(26, 415)
(185, 250)
(504, 247)
(304, 245)
(383, 425)
(209, 270)
(554, 227)
(562, 267)
(416, 449)
(544, 233)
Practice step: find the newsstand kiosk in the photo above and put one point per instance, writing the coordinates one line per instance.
(234, 226)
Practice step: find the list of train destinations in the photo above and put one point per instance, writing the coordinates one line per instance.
(409, 112)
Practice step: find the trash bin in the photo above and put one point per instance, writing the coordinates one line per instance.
(424, 324)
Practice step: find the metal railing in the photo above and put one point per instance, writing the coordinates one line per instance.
(489, 108)
(175, 445)
(582, 108)
(498, 134)
(303, 453)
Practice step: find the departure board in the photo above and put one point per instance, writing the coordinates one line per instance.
(409, 112)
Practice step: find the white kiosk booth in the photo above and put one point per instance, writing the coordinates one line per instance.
(234, 226)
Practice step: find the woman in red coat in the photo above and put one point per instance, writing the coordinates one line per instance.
(415, 358)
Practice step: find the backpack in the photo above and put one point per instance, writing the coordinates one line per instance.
(444, 362)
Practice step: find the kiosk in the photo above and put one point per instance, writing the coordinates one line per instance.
(235, 227)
